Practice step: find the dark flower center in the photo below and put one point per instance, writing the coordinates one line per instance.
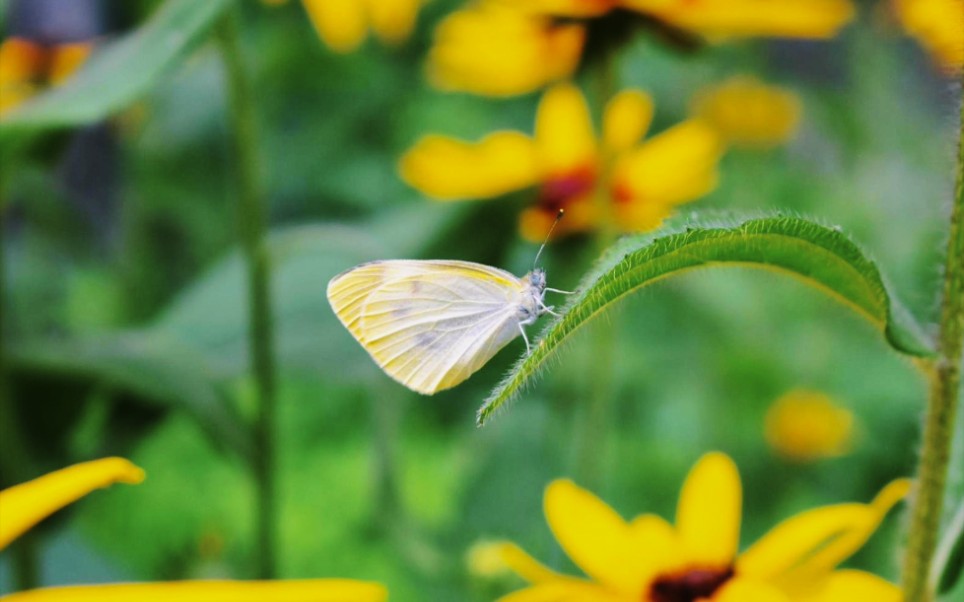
(689, 586)
(556, 192)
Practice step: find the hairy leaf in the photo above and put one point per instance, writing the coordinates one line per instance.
(822, 257)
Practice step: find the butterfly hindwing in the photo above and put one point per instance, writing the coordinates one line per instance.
(428, 324)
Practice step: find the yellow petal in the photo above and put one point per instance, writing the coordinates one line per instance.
(726, 18)
(708, 514)
(444, 168)
(23, 506)
(393, 20)
(674, 167)
(749, 113)
(20, 62)
(563, 592)
(526, 566)
(341, 24)
(937, 26)
(788, 545)
(493, 49)
(640, 215)
(313, 590)
(814, 542)
(565, 8)
(626, 119)
(740, 589)
(848, 586)
(839, 549)
(596, 538)
(564, 132)
(67, 59)
(656, 549)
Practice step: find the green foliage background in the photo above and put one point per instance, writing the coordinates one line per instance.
(126, 331)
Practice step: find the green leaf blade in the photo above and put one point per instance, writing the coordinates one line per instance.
(161, 371)
(122, 71)
(820, 256)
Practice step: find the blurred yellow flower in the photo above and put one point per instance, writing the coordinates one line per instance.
(343, 24)
(938, 25)
(751, 18)
(614, 181)
(484, 559)
(505, 47)
(649, 560)
(746, 112)
(807, 425)
(27, 68)
(496, 49)
(23, 506)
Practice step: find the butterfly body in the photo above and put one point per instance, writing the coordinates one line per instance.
(432, 324)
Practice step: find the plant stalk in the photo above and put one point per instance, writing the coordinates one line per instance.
(595, 421)
(386, 413)
(252, 224)
(944, 398)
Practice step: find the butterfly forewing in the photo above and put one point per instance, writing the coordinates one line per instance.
(428, 324)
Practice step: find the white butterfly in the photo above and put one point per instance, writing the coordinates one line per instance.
(432, 324)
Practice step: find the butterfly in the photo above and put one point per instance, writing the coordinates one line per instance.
(431, 324)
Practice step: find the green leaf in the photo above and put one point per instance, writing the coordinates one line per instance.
(949, 559)
(159, 370)
(211, 316)
(122, 71)
(822, 257)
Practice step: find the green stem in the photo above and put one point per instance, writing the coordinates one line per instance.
(252, 224)
(15, 464)
(944, 390)
(386, 411)
(594, 423)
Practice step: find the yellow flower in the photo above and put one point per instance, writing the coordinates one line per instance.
(649, 560)
(746, 112)
(614, 180)
(26, 68)
(23, 506)
(343, 24)
(496, 49)
(807, 425)
(937, 26)
(505, 47)
(751, 18)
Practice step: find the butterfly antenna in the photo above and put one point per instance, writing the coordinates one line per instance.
(535, 261)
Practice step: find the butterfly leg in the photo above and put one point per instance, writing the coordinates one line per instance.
(525, 338)
(549, 309)
(556, 290)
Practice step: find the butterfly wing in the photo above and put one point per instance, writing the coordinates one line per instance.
(428, 324)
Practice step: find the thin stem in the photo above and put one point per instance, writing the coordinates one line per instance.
(386, 411)
(594, 424)
(15, 464)
(945, 381)
(252, 224)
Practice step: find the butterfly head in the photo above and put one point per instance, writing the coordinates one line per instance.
(537, 280)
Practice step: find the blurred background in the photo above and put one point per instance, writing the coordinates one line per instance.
(125, 316)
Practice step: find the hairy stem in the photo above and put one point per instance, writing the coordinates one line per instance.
(252, 224)
(944, 391)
